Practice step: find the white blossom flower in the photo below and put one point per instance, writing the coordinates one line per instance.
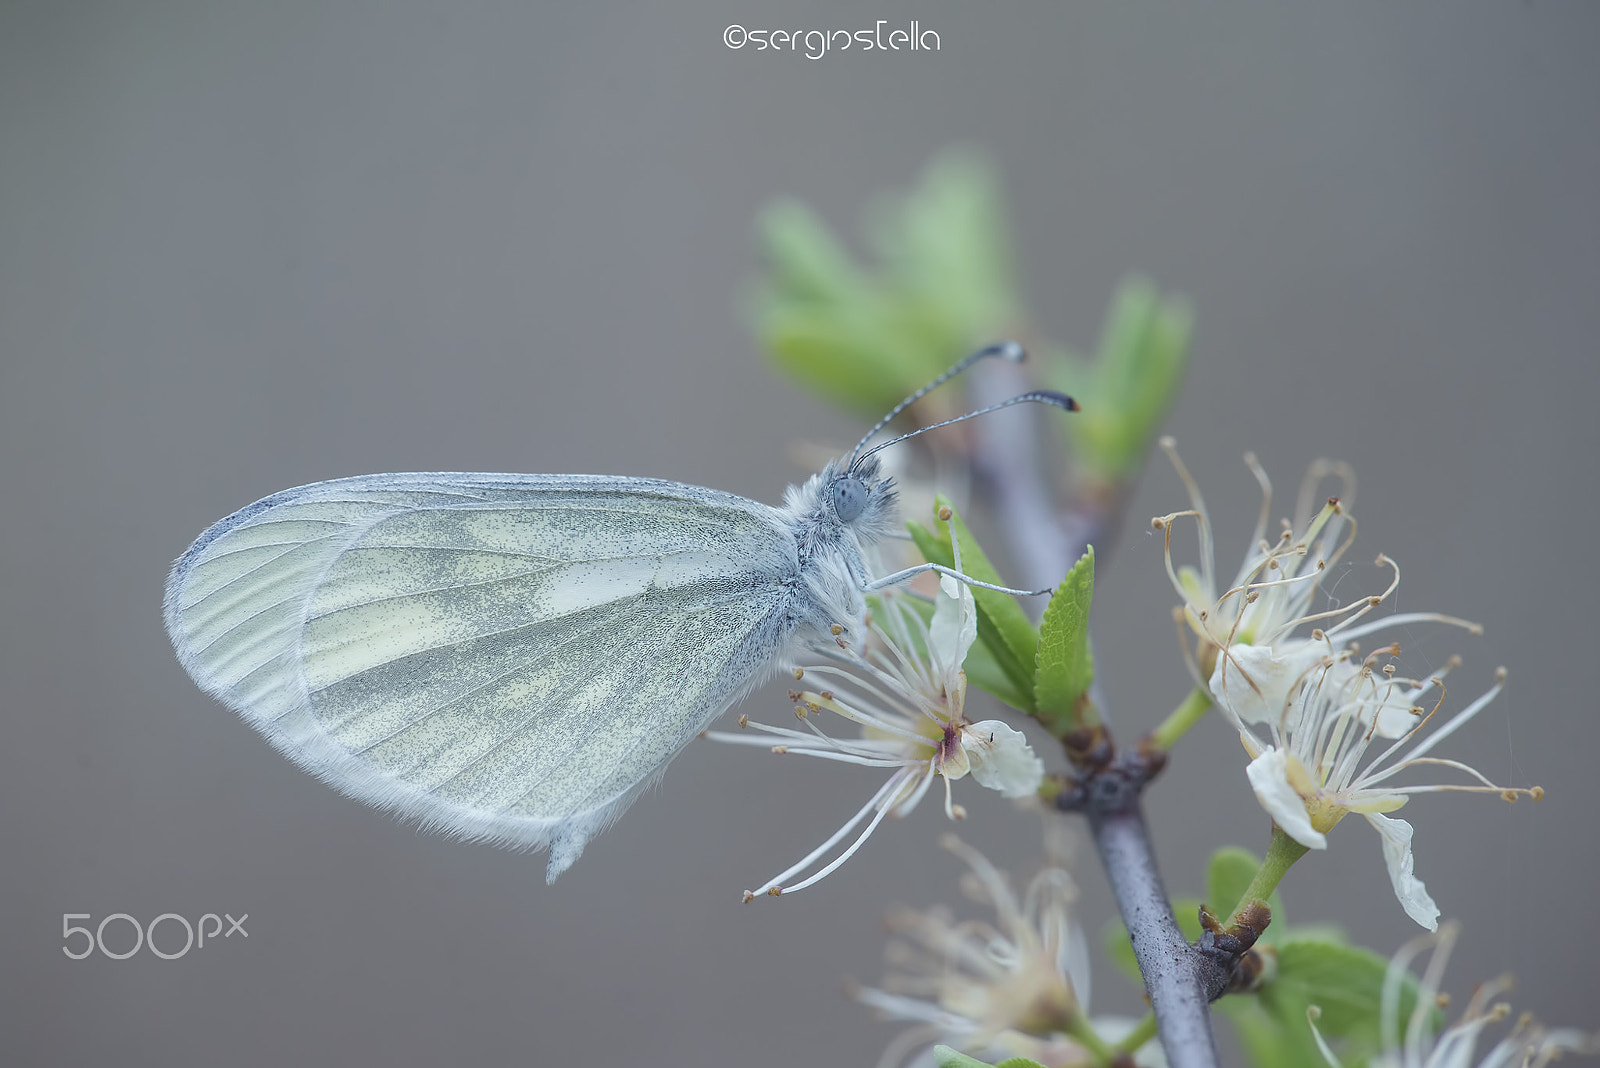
(1260, 618)
(907, 694)
(1315, 768)
(1018, 987)
(1309, 705)
(1528, 1045)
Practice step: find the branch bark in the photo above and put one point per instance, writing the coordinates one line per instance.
(1044, 543)
(1175, 975)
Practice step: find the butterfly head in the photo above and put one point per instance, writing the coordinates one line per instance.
(860, 498)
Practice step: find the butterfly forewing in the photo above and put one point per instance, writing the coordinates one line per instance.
(458, 647)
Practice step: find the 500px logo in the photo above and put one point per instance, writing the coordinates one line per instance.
(146, 935)
(815, 44)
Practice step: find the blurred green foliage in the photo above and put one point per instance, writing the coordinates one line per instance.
(865, 338)
(1124, 394)
(941, 284)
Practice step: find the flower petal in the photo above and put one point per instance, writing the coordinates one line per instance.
(1269, 778)
(1001, 758)
(954, 626)
(1397, 855)
(1253, 681)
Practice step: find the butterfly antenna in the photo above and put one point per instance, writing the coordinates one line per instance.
(1008, 349)
(1037, 396)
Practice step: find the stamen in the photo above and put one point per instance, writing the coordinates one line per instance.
(1169, 445)
(1266, 495)
(884, 792)
(1461, 717)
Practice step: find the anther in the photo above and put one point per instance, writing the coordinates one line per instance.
(1509, 795)
(958, 812)
(780, 749)
(1374, 601)
(1499, 676)
(836, 630)
(1381, 561)
(775, 891)
(749, 897)
(1537, 793)
(945, 513)
(1157, 523)
(799, 711)
(743, 720)
(799, 673)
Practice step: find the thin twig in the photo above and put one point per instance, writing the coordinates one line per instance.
(1181, 981)
(1173, 971)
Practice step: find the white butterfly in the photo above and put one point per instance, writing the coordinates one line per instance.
(515, 658)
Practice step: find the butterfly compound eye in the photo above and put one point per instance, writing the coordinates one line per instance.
(849, 498)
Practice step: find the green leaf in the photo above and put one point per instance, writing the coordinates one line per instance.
(1064, 663)
(1018, 1062)
(1003, 627)
(1346, 981)
(945, 1057)
(1228, 876)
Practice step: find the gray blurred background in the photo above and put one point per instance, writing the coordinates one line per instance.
(245, 247)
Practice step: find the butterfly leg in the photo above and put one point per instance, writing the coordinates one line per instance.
(911, 572)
